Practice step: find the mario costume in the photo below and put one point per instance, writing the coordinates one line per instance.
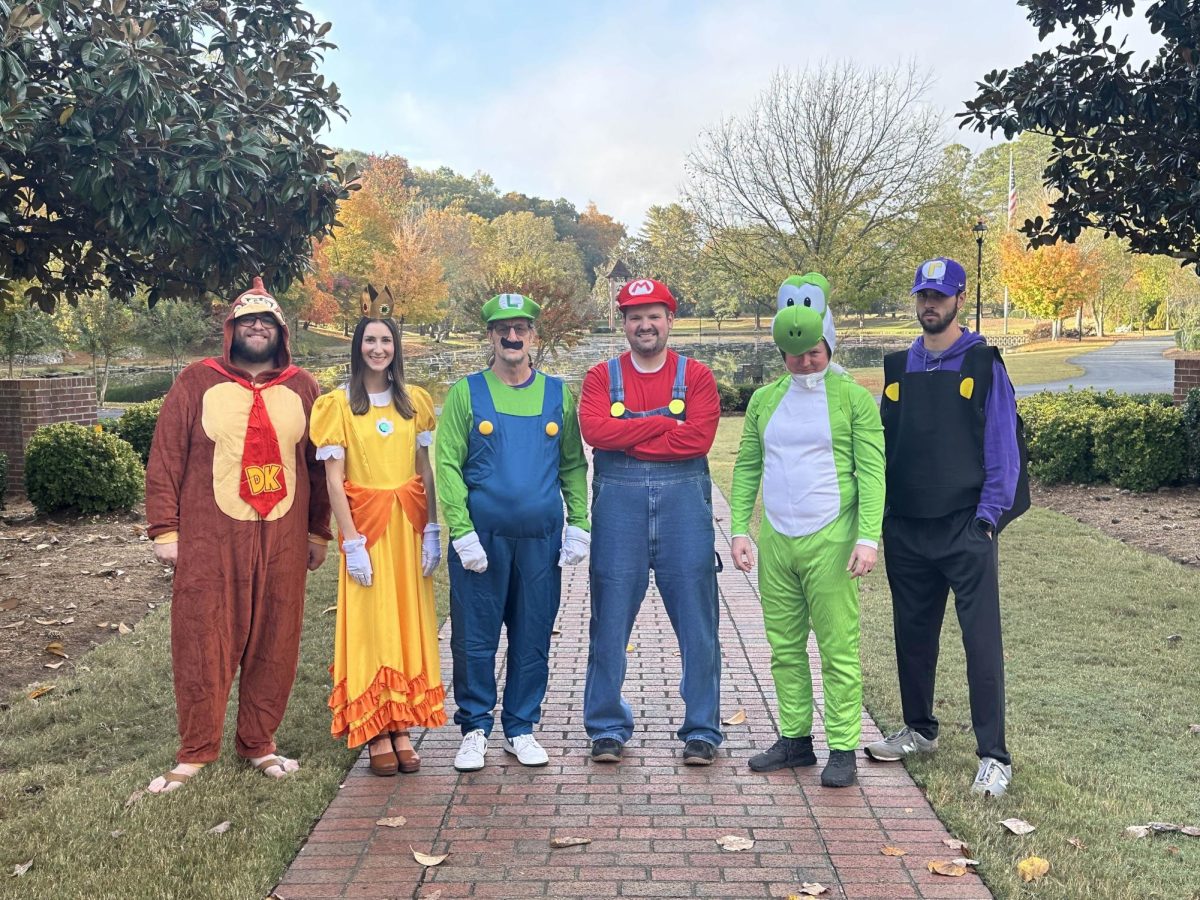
(652, 509)
(815, 444)
(233, 479)
(507, 459)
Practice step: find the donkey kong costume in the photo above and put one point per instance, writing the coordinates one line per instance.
(233, 478)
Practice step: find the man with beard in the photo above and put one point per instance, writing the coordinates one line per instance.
(508, 456)
(651, 416)
(236, 503)
(949, 418)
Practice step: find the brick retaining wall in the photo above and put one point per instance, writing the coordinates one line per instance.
(26, 404)
(1187, 376)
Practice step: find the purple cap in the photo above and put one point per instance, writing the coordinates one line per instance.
(942, 275)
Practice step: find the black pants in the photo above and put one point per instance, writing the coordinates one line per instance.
(925, 559)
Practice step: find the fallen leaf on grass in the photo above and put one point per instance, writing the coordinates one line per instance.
(392, 821)
(1172, 850)
(1192, 729)
(1032, 868)
(427, 859)
(1018, 826)
(1190, 830)
(55, 648)
(964, 861)
(892, 851)
(1076, 843)
(559, 843)
(329, 609)
(56, 666)
(956, 844)
(1162, 827)
(13, 603)
(1137, 831)
(734, 843)
(945, 867)
(122, 628)
(116, 834)
(40, 692)
(220, 829)
(736, 719)
(134, 798)
(21, 868)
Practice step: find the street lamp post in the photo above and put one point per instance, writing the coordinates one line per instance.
(617, 278)
(979, 229)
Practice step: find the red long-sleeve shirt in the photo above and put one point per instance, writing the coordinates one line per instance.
(658, 438)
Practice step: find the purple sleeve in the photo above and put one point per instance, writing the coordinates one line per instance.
(1001, 458)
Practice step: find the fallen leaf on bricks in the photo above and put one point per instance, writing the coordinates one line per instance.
(220, 829)
(134, 798)
(956, 844)
(556, 630)
(629, 648)
(1137, 831)
(964, 861)
(436, 895)
(40, 692)
(1076, 843)
(427, 859)
(21, 868)
(55, 648)
(736, 719)
(392, 821)
(1032, 868)
(892, 851)
(813, 889)
(734, 843)
(1018, 826)
(945, 867)
(559, 843)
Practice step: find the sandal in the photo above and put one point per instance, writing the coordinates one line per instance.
(383, 764)
(271, 762)
(179, 778)
(407, 760)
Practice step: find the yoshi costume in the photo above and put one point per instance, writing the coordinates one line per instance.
(507, 458)
(815, 443)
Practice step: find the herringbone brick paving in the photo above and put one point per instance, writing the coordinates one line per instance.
(653, 822)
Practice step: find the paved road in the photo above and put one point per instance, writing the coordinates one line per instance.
(1127, 367)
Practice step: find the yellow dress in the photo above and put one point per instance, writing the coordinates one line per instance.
(386, 673)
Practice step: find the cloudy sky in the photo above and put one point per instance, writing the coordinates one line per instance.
(603, 101)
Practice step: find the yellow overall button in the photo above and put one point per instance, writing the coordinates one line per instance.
(675, 406)
(617, 410)
(552, 428)
(486, 427)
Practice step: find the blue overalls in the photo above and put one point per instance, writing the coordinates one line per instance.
(516, 505)
(652, 515)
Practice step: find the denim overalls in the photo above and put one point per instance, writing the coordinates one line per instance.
(652, 515)
(516, 505)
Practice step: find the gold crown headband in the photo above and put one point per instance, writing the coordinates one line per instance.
(377, 304)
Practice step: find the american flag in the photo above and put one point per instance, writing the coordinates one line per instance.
(1012, 188)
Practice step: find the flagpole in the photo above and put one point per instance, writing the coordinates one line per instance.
(1012, 195)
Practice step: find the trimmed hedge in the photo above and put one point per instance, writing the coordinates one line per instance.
(70, 466)
(136, 426)
(1135, 441)
(1191, 432)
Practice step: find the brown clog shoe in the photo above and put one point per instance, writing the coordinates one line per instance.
(408, 761)
(384, 763)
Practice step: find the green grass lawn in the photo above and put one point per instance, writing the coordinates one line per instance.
(1099, 704)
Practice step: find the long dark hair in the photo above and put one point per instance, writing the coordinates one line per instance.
(360, 403)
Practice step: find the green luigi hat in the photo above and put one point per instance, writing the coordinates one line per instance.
(811, 292)
(509, 306)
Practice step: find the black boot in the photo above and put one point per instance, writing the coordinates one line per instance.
(785, 753)
(840, 771)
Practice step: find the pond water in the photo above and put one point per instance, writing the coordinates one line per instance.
(733, 360)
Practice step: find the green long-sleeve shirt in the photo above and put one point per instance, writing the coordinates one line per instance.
(454, 431)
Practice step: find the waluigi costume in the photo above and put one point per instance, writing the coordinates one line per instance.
(233, 479)
(507, 459)
(386, 673)
(815, 443)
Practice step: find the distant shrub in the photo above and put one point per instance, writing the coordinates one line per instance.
(1191, 432)
(1140, 447)
(136, 426)
(70, 466)
(151, 386)
(735, 397)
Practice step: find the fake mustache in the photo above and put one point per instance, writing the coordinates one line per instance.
(511, 345)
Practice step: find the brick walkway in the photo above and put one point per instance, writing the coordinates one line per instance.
(653, 822)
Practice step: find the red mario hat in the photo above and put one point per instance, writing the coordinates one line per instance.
(643, 291)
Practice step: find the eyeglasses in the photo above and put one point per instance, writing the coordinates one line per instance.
(266, 320)
(521, 329)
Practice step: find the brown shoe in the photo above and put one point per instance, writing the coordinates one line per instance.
(383, 763)
(407, 759)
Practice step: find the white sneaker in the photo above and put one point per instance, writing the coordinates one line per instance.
(470, 756)
(527, 750)
(992, 779)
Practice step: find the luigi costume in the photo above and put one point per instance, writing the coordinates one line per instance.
(815, 444)
(508, 456)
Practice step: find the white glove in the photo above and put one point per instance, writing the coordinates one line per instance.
(576, 545)
(358, 562)
(471, 553)
(431, 548)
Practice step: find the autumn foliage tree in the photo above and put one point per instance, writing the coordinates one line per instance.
(1048, 282)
